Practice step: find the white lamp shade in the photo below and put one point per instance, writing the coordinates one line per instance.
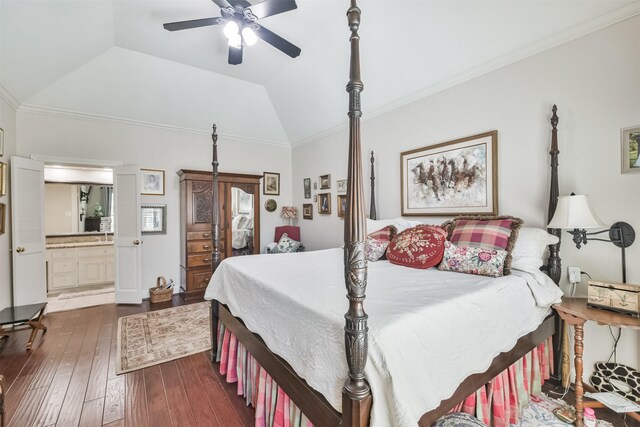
(574, 212)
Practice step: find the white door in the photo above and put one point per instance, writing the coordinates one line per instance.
(127, 238)
(28, 240)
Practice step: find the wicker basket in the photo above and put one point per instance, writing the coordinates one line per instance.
(160, 293)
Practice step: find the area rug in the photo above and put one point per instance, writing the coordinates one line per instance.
(156, 337)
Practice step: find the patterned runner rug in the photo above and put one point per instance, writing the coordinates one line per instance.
(156, 337)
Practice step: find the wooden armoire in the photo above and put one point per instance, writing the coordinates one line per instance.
(238, 194)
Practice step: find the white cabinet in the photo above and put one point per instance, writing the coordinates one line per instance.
(91, 266)
(83, 266)
(63, 271)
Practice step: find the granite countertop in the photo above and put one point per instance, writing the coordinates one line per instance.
(78, 244)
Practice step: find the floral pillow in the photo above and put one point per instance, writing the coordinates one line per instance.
(418, 247)
(287, 244)
(465, 259)
(378, 241)
(376, 248)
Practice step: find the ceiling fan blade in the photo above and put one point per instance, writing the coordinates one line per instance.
(235, 55)
(185, 25)
(276, 41)
(272, 7)
(222, 4)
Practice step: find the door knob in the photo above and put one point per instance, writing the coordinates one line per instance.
(19, 249)
(136, 242)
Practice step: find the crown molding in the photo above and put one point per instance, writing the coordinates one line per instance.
(628, 11)
(8, 97)
(99, 118)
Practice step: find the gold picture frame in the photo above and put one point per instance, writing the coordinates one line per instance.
(3, 217)
(307, 211)
(452, 178)
(342, 205)
(324, 203)
(3, 179)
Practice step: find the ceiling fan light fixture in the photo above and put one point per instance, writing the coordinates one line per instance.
(249, 36)
(231, 30)
(236, 41)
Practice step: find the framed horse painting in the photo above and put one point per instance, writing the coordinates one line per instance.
(451, 178)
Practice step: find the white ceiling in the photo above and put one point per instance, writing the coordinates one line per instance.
(113, 58)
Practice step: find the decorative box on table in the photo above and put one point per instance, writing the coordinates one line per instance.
(620, 297)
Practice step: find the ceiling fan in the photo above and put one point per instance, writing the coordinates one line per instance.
(240, 27)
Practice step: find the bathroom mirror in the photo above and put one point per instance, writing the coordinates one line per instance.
(78, 208)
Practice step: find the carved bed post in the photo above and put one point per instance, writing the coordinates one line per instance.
(356, 392)
(554, 263)
(215, 237)
(372, 209)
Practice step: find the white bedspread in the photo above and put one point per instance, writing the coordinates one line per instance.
(428, 330)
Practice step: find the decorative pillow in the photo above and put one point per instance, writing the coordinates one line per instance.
(418, 247)
(378, 241)
(480, 261)
(376, 248)
(400, 223)
(287, 244)
(530, 247)
(486, 232)
(458, 419)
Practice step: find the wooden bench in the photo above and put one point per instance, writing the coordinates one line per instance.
(31, 315)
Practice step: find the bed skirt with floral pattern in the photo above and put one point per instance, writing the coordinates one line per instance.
(497, 404)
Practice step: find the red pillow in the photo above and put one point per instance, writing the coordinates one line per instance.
(418, 247)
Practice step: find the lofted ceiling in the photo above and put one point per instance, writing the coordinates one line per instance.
(113, 58)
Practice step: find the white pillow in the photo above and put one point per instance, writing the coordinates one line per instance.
(375, 225)
(530, 247)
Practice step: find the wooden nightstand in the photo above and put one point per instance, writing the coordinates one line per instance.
(575, 312)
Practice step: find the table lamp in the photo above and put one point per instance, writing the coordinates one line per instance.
(289, 212)
(573, 212)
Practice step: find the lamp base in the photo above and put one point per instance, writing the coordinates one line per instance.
(622, 234)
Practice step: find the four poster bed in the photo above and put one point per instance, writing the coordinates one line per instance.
(260, 301)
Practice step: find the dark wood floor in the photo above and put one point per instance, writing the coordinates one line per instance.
(69, 379)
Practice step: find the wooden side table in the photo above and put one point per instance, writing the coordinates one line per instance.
(575, 312)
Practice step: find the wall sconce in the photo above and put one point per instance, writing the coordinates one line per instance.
(573, 212)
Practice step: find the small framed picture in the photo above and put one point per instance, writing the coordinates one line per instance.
(154, 219)
(325, 182)
(307, 211)
(324, 203)
(342, 186)
(3, 179)
(271, 183)
(342, 205)
(307, 188)
(1, 142)
(630, 142)
(152, 182)
(315, 185)
(3, 216)
(315, 197)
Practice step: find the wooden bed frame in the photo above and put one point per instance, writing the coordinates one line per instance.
(356, 395)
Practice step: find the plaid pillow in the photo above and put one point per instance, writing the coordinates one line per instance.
(486, 232)
(385, 233)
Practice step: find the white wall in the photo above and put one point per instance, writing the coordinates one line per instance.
(595, 81)
(8, 123)
(152, 148)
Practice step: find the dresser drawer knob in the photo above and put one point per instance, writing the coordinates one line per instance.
(206, 260)
(206, 234)
(206, 246)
